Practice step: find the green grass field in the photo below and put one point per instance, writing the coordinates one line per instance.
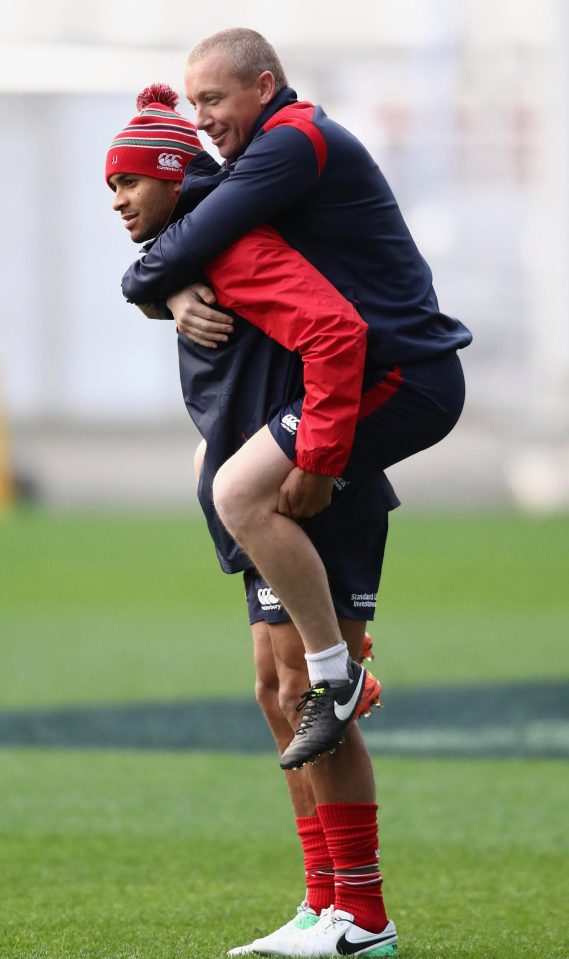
(125, 855)
(182, 856)
(103, 608)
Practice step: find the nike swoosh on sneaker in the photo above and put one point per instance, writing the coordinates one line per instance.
(344, 947)
(344, 710)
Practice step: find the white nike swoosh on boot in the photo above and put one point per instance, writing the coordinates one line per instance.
(343, 711)
(347, 947)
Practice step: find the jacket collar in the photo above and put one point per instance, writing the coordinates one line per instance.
(281, 99)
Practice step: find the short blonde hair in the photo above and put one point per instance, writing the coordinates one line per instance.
(250, 54)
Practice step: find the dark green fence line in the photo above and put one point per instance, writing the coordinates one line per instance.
(505, 720)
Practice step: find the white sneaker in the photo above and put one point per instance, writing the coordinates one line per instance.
(283, 938)
(336, 934)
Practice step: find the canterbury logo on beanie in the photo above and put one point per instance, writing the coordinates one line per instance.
(158, 142)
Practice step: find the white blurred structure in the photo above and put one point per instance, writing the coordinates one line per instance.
(464, 105)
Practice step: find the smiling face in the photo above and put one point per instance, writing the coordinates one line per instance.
(145, 203)
(226, 108)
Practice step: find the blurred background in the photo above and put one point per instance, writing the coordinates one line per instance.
(464, 104)
(126, 675)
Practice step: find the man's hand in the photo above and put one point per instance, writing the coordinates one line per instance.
(303, 495)
(196, 320)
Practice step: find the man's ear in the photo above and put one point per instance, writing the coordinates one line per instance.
(177, 186)
(266, 86)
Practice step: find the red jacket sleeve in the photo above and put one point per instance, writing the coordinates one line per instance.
(272, 286)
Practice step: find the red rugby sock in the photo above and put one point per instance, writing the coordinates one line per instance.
(318, 866)
(352, 839)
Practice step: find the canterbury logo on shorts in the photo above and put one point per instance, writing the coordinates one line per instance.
(267, 598)
(290, 422)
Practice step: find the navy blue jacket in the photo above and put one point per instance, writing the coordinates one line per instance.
(230, 392)
(320, 188)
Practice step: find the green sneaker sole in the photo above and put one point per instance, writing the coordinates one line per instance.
(390, 950)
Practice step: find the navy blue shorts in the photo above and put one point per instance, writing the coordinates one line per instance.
(420, 413)
(349, 536)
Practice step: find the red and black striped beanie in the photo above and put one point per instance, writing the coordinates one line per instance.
(158, 142)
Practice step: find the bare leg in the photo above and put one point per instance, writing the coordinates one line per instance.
(342, 837)
(347, 775)
(245, 493)
(267, 693)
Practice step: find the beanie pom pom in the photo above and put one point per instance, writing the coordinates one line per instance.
(157, 93)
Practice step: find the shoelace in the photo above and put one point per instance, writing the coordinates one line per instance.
(327, 920)
(312, 703)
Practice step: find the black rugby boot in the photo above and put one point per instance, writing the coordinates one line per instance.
(327, 709)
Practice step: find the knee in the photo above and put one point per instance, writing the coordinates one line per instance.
(267, 696)
(230, 500)
(239, 507)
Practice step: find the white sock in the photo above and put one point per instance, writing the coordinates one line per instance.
(331, 663)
